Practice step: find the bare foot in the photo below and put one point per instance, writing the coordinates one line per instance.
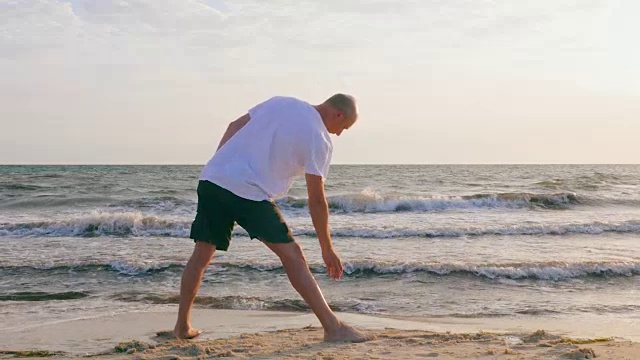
(347, 333)
(189, 333)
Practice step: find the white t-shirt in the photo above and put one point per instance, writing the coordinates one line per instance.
(284, 138)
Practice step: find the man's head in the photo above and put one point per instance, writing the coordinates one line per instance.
(338, 113)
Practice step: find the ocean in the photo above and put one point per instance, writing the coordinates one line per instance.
(417, 241)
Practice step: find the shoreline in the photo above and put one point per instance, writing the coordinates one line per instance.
(256, 331)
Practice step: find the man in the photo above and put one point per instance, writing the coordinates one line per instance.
(257, 159)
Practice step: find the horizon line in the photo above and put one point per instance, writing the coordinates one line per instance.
(338, 164)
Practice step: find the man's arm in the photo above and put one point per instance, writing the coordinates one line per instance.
(233, 128)
(319, 210)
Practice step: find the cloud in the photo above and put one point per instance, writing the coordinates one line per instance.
(284, 32)
(236, 41)
(33, 27)
(107, 31)
(162, 17)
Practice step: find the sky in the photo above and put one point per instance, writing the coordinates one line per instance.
(437, 81)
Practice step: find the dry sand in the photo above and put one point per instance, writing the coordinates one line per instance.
(390, 344)
(279, 335)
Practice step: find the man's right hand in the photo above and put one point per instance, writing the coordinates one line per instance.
(333, 263)
(319, 210)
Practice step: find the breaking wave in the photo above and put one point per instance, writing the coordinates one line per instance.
(100, 224)
(592, 228)
(136, 224)
(537, 271)
(554, 271)
(369, 201)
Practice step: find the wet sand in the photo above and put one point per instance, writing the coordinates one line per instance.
(278, 335)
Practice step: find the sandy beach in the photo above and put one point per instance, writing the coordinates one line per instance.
(277, 335)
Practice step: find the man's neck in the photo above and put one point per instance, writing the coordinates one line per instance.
(322, 111)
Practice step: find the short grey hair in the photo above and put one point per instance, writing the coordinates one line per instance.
(344, 103)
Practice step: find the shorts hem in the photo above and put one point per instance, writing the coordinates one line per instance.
(279, 241)
(212, 242)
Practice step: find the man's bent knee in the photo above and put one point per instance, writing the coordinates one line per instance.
(203, 253)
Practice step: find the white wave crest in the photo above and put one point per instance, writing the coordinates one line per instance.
(127, 268)
(101, 223)
(369, 201)
(127, 224)
(593, 228)
(551, 270)
(540, 271)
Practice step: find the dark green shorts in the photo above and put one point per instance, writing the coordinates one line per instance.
(219, 209)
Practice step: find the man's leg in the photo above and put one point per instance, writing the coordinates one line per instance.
(295, 265)
(191, 279)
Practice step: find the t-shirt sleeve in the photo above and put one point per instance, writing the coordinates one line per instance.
(318, 157)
